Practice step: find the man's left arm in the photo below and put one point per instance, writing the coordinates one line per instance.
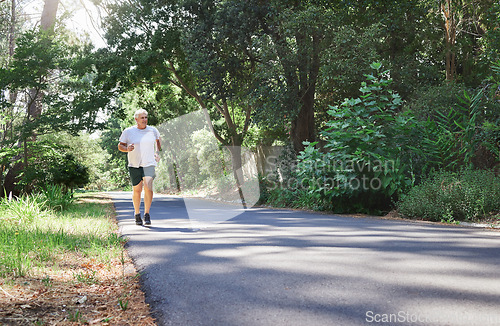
(158, 145)
(158, 150)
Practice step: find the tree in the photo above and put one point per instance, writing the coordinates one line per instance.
(297, 34)
(277, 59)
(49, 13)
(220, 60)
(72, 98)
(465, 23)
(33, 104)
(450, 24)
(13, 19)
(152, 41)
(47, 24)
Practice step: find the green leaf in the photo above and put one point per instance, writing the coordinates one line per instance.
(386, 181)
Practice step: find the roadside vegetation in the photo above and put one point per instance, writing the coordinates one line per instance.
(65, 262)
(377, 156)
(467, 195)
(39, 229)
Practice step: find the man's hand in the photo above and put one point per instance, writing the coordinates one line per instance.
(130, 147)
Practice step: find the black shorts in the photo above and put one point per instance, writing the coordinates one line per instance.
(136, 174)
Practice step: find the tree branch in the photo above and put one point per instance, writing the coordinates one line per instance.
(181, 84)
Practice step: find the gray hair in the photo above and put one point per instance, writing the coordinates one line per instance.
(140, 111)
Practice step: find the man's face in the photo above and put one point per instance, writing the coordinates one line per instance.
(142, 120)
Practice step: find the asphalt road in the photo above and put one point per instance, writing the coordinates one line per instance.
(284, 267)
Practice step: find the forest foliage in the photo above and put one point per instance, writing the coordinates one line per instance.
(369, 99)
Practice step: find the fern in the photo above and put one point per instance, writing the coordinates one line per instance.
(450, 140)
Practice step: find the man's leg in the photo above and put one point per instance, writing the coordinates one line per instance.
(148, 193)
(149, 175)
(136, 198)
(136, 175)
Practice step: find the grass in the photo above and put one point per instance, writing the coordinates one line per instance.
(34, 238)
(66, 265)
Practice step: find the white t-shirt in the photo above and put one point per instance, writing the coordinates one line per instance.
(144, 145)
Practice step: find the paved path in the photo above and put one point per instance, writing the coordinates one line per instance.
(283, 267)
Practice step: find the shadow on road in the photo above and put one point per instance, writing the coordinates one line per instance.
(279, 267)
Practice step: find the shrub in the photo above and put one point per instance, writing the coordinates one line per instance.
(466, 195)
(51, 164)
(433, 100)
(451, 140)
(457, 127)
(357, 168)
(296, 198)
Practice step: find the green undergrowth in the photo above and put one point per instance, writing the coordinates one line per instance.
(469, 195)
(34, 236)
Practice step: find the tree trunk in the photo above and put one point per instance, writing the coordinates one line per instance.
(12, 29)
(236, 139)
(12, 44)
(34, 106)
(174, 177)
(450, 30)
(301, 79)
(7, 126)
(11, 178)
(238, 171)
(48, 20)
(303, 127)
(47, 24)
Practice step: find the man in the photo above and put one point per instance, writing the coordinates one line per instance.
(139, 143)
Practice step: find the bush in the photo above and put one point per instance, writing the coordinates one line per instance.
(52, 164)
(432, 100)
(457, 138)
(295, 198)
(358, 168)
(457, 127)
(466, 196)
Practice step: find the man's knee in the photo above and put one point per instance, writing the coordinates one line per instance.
(148, 183)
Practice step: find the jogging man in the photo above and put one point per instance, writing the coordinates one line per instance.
(139, 143)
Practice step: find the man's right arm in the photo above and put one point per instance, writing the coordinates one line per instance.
(122, 147)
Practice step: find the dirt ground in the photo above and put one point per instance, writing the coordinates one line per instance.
(115, 299)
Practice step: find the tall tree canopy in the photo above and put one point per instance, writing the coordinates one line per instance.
(277, 64)
(48, 84)
(225, 54)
